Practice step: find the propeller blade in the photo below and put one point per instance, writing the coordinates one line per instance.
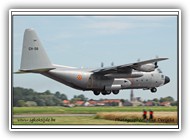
(156, 63)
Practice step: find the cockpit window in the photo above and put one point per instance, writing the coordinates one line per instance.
(159, 71)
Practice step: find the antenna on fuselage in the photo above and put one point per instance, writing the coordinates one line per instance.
(102, 64)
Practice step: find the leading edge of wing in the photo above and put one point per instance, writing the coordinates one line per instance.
(127, 68)
(149, 61)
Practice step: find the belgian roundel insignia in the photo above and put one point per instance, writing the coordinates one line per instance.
(79, 77)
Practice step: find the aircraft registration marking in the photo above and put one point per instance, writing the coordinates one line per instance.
(33, 48)
(79, 77)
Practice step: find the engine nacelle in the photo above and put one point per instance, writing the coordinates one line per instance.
(146, 68)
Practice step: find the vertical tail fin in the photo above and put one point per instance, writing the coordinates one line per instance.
(34, 56)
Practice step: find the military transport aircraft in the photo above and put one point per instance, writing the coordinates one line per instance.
(138, 75)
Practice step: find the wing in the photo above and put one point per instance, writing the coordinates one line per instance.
(127, 68)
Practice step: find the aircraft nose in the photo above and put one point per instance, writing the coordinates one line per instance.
(167, 80)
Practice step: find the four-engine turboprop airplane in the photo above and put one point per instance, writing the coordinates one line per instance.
(138, 75)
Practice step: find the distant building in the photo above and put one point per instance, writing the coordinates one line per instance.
(79, 103)
(149, 103)
(135, 101)
(66, 102)
(92, 102)
(127, 103)
(100, 103)
(165, 104)
(87, 104)
(112, 102)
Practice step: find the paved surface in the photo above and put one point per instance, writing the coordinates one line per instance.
(50, 115)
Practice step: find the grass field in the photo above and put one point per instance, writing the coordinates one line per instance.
(86, 110)
(102, 115)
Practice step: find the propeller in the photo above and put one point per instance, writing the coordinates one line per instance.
(156, 64)
(112, 63)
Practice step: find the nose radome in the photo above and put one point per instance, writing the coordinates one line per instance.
(167, 80)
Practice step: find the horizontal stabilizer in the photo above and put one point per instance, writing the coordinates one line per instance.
(34, 71)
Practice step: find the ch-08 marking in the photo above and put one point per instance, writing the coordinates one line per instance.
(33, 48)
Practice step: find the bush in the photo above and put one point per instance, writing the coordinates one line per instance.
(30, 103)
(20, 103)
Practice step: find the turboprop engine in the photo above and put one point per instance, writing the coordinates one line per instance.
(146, 67)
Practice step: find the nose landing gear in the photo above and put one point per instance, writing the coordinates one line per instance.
(153, 90)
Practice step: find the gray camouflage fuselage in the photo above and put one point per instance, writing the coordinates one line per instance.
(89, 81)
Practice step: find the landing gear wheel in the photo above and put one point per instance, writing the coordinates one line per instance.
(104, 92)
(115, 92)
(153, 90)
(96, 93)
(107, 92)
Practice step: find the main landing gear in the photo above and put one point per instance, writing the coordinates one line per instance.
(96, 93)
(106, 92)
(115, 92)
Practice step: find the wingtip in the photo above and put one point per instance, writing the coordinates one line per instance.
(162, 58)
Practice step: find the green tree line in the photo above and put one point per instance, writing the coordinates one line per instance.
(29, 97)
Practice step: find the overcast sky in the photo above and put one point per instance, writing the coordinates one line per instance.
(86, 41)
